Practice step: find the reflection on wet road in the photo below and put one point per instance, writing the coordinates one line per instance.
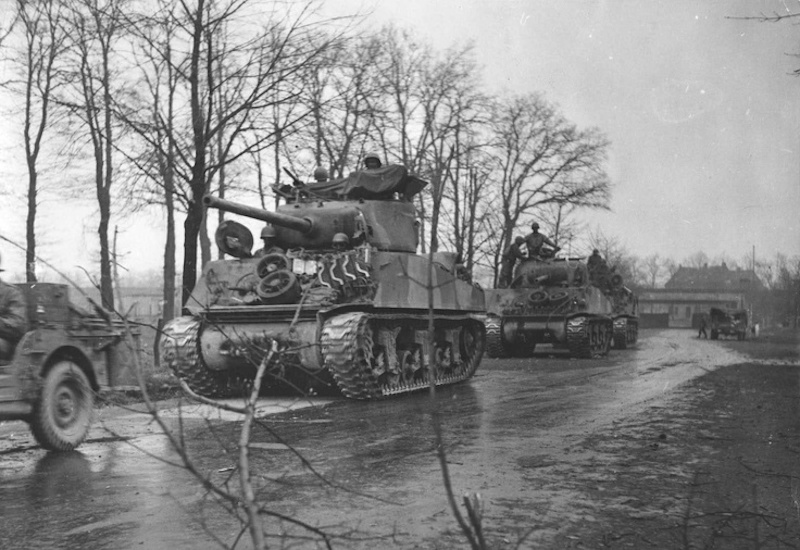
(371, 477)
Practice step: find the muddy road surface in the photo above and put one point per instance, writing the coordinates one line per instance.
(678, 443)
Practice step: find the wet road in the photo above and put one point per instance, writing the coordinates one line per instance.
(372, 479)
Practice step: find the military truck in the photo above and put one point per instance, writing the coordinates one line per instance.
(66, 355)
(728, 322)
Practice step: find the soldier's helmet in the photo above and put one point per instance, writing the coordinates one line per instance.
(596, 252)
(373, 156)
(268, 232)
(519, 240)
(534, 225)
(320, 174)
(340, 240)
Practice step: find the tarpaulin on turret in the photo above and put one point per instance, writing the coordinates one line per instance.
(377, 184)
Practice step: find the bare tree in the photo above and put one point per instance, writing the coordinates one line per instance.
(343, 97)
(697, 260)
(652, 267)
(41, 26)
(617, 256)
(223, 88)
(542, 159)
(671, 267)
(96, 28)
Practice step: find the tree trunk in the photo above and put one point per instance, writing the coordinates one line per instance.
(191, 229)
(30, 227)
(168, 311)
(106, 286)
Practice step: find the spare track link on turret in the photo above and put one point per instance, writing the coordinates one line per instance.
(494, 338)
(347, 347)
(180, 352)
(589, 337)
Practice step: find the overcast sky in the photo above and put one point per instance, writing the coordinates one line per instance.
(701, 111)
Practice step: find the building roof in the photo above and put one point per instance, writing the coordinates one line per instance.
(715, 278)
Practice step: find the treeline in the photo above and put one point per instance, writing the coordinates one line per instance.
(155, 103)
(152, 104)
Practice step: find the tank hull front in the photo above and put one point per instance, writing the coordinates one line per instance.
(378, 302)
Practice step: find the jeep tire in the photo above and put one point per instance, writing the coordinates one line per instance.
(63, 412)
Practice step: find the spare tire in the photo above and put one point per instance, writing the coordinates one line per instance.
(279, 287)
(271, 263)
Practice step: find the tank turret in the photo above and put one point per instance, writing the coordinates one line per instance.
(337, 289)
(312, 224)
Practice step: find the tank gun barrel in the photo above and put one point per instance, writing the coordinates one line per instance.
(303, 225)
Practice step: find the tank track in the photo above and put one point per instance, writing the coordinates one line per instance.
(179, 351)
(348, 348)
(494, 338)
(626, 332)
(589, 337)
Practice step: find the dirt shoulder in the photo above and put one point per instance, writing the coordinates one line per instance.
(715, 466)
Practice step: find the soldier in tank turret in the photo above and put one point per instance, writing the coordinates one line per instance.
(535, 240)
(341, 242)
(510, 256)
(598, 269)
(320, 175)
(595, 261)
(270, 239)
(372, 161)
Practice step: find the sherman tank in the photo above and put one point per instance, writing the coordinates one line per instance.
(549, 301)
(339, 295)
(624, 305)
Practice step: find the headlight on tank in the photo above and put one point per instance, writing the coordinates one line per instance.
(579, 302)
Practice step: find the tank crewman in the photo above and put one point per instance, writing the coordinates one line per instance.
(320, 174)
(372, 161)
(598, 269)
(270, 239)
(340, 242)
(509, 260)
(595, 261)
(461, 270)
(535, 240)
(12, 318)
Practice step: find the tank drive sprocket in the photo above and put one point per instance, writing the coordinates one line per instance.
(180, 351)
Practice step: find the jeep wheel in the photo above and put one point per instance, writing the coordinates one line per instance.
(62, 415)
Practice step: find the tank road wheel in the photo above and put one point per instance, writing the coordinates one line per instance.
(350, 353)
(180, 352)
(63, 413)
(495, 347)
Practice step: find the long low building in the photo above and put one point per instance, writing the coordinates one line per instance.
(691, 292)
(663, 307)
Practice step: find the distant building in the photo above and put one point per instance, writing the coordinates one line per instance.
(692, 291)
